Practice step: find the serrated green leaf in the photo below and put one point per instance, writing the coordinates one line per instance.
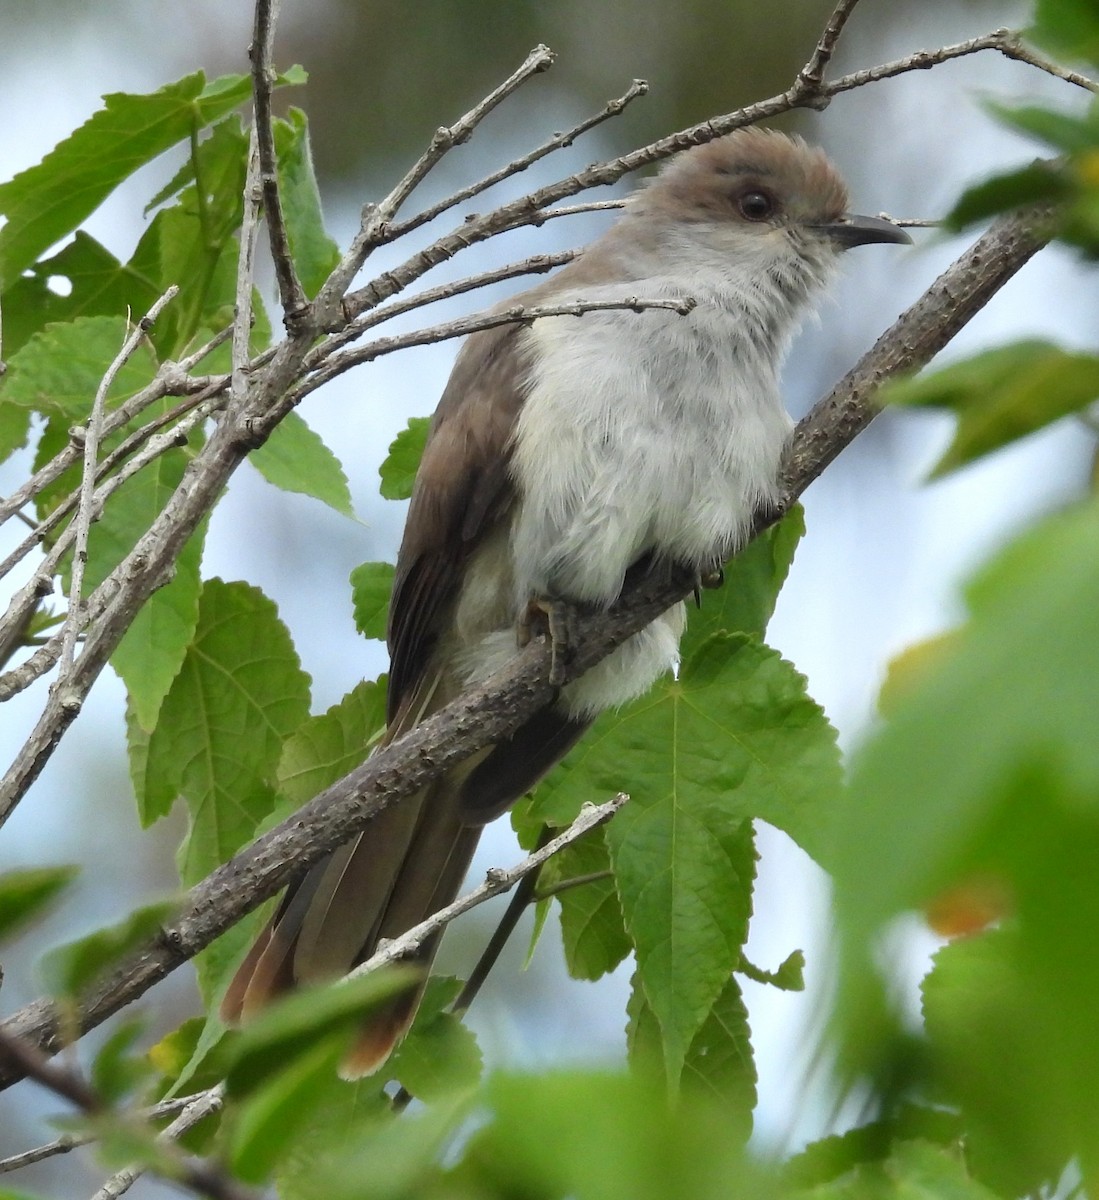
(25, 894)
(324, 748)
(67, 970)
(59, 370)
(719, 1062)
(99, 285)
(592, 929)
(733, 739)
(371, 588)
(398, 471)
(1002, 395)
(315, 254)
(15, 425)
(1036, 183)
(239, 694)
(49, 200)
(295, 459)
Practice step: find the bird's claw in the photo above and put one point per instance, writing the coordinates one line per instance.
(552, 619)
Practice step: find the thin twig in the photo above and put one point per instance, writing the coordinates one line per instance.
(516, 314)
(566, 885)
(536, 264)
(811, 76)
(246, 266)
(260, 52)
(85, 512)
(497, 882)
(197, 1109)
(559, 141)
(29, 1059)
(73, 1141)
(376, 217)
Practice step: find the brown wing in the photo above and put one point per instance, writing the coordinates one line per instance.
(462, 487)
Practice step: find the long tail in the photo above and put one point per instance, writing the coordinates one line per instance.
(408, 863)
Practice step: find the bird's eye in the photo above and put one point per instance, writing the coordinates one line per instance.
(755, 205)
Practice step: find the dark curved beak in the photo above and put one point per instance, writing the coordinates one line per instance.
(852, 230)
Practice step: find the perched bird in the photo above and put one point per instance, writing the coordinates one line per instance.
(563, 453)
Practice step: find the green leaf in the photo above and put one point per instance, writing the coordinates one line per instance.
(913, 1171)
(60, 369)
(989, 1033)
(398, 471)
(1036, 183)
(308, 1018)
(1002, 395)
(1067, 27)
(1065, 132)
(790, 976)
(592, 928)
(117, 1071)
(295, 459)
(315, 253)
(67, 970)
(440, 1055)
(239, 694)
(734, 738)
(323, 749)
(99, 285)
(746, 599)
(49, 200)
(15, 425)
(27, 893)
(371, 587)
(719, 1062)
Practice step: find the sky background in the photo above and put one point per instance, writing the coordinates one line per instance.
(885, 553)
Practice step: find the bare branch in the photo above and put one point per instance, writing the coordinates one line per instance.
(291, 294)
(73, 1141)
(811, 76)
(559, 141)
(536, 264)
(496, 883)
(498, 707)
(246, 266)
(376, 217)
(197, 1109)
(84, 513)
(517, 314)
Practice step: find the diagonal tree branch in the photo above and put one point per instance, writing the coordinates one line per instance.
(490, 712)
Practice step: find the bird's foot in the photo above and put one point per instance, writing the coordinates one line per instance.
(708, 579)
(552, 619)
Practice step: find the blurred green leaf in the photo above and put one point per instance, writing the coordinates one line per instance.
(912, 1171)
(27, 893)
(790, 976)
(295, 459)
(67, 970)
(1067, 27)
(117, 1071)
(1036, 183)
(398, 471)
(1063, 131)
(324, 748)
(1002, 395)
(315, 253)
(440, 1055)
(239, 694)
(323, 1016)
(371, 587)
(719, 1063)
